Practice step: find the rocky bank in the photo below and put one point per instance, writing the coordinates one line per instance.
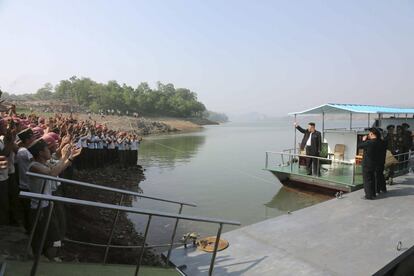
(93, 225)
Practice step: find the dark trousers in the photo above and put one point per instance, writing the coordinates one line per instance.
(53, 233)
(25, 205)
(312, 164)
(369, 182)
(60, 212)
(4, 202)
(380, 180)
(134, 159)
(13, 190)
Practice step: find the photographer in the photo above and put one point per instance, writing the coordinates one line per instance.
(372, 161)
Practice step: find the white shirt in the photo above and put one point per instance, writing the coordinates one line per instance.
(36, 185)
(134, 145)
(111, 144)
(91, 143)
(53, 162)
(23, 158)
(103, 141)
(127, 144)
(99, 142)
(121, 144)
(84, 141)
(309, 142)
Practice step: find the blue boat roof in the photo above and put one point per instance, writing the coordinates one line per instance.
(335, 108)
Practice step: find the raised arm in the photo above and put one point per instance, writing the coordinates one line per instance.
(364, 144)
(298, 127)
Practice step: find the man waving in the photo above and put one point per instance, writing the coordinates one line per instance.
(311, 142)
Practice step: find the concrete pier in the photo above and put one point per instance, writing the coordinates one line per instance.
(348, 236)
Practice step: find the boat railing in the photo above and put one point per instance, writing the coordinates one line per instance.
(122, 194)
(337, 128)
(287, 158)
(344, 129)
(307, 156)
(149, 213)
(405, 162)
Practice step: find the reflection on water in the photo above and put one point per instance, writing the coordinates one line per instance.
(289, 199)
(165, 151)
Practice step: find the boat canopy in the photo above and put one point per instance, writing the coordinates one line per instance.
(334, 108)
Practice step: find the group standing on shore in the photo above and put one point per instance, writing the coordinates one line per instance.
(52, 146)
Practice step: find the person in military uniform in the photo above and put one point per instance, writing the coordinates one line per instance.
(391, 142)
(407, 143)
(370, 163)
(400, 147)
(391, 139)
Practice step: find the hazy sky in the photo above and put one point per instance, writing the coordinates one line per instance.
(272, 57)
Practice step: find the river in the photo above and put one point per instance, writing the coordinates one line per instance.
(220, 168)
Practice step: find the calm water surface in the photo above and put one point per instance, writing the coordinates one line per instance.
(220, 168)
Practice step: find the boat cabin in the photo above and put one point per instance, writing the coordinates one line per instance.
(342, 142)
(340, 158)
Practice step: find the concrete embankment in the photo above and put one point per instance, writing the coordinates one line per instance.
(347, 236)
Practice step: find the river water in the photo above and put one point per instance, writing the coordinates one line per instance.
(220, 168)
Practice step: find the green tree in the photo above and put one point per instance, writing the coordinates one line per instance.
(46, 92)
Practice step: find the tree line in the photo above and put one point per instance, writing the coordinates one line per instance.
(164, 100)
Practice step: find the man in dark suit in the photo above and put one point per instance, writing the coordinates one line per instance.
(379, 172)
(371, 161)
(311, 142)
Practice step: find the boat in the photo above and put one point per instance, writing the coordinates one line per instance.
(340, 159)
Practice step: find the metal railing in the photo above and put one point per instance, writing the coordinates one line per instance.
(294, 157)
(114, 222)
(402, 158)
(100, 187)
(403, 165)
(150, 213)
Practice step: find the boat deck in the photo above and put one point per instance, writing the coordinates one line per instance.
(334, 176)
(347, 236)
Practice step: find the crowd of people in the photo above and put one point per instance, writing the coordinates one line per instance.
(52, 146)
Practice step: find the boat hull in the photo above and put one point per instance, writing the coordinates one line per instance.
(312, 183)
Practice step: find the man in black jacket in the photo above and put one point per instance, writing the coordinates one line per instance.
(379, 172)
(371, 161)
(311, 142)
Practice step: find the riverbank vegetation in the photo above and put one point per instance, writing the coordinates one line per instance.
(163, 100)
